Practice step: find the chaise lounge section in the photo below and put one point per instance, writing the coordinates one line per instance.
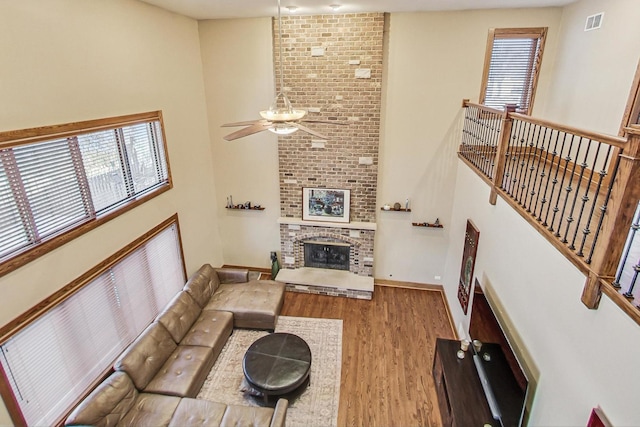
(255, 304)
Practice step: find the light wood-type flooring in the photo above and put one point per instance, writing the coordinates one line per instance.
(387, 353)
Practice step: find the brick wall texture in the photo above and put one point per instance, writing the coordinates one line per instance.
(329, 82)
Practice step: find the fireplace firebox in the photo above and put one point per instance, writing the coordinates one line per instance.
(326, 255)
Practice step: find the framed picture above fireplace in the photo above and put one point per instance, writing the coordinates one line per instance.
(325, 204)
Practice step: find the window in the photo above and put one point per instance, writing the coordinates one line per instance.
(59, 181)
(511, 67)
(55, 359)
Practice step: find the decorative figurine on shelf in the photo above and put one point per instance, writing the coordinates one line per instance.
(247, 205)
(437, 221)
(386, 207)
(406, 204)
(396, 206)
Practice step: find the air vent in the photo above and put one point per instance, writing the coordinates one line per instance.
(594, 21)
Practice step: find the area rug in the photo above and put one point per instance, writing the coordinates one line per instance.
(318, 404)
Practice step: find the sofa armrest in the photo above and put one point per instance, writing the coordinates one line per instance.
(233, 275)
(279, 413)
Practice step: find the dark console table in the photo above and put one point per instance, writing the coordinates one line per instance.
(461, 398)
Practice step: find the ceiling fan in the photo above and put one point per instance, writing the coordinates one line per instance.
(281, 118)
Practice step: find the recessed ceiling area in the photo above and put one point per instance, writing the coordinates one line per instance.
(219, 9)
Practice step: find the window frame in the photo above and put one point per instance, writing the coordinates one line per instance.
(17, 138)
(18, 324)
(514, 33)
(632, 109)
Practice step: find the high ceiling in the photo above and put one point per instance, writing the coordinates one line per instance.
(217, 9)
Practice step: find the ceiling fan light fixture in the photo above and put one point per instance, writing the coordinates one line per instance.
(283, 129)
(281, 110)
(335, 7)
(283, 115)
(281, 118)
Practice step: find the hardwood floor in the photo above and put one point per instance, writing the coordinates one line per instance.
(387, 353)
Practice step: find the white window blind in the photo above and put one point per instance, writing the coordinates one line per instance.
(54, 360)
(51, 186)
(513, 69)
(13, 230)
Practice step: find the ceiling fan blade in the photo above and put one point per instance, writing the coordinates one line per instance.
(247, 123)
(330, 122)
(249, 130)
(310, 131)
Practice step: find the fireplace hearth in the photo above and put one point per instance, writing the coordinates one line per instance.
(326, 255)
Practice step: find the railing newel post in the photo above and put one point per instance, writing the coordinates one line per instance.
(503, 146)
(621, 206)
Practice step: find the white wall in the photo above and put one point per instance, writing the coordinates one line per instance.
(237, 56)
(594, 70)
(581, 354)
(69, 60)
(433, 61)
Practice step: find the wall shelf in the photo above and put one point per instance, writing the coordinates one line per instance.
(242, 208)
(426, 224)
(395, 210)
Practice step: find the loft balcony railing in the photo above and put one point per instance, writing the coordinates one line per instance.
(579, 189)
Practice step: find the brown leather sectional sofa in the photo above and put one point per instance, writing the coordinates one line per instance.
(157, 377)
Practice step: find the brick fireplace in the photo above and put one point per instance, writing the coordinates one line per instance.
(333, 69)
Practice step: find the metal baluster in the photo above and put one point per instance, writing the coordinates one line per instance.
(542, 174)
(602, 174)
(636, 269)
(465, 132)
(483, 147)
(521, 163)
(568, 189)
(535, 160)
(554, 153)
(585, 197)
(493, 147)
(604, 208)
(555, 181)
(511, 156)
(474, 135)
(635, 225)
(583, 165)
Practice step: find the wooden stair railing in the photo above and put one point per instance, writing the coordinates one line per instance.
(578, 188)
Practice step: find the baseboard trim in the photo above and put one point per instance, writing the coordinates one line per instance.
(408, 285)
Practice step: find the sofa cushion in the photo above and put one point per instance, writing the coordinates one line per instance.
(233, 275)
(184, 372)
(151, 410)
(146, 355)
(246, 416)
(211, 329)
(179, 315)
(107, 404)
(192, 412)
(202, 284)
(255, 304)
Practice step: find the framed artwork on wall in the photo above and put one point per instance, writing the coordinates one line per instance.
(325, 204)
(471, 236)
